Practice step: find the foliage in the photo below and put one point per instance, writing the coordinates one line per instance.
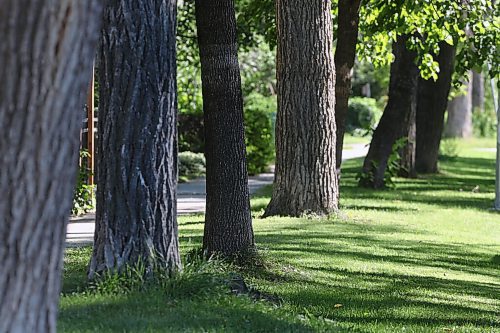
(448, 148)
(258, 70)
(472, 26)
(485, 123)
(256, 18)
(191, 165)
(191, 132)
(377, 77)
(260, 112)
(83, 195)
(363, 113)
(188, 60)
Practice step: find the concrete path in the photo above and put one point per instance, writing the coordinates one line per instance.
(190, 200)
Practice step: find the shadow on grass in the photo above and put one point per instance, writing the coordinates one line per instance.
(457, 185)
(154, 312)
(400, 299)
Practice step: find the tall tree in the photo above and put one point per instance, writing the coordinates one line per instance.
(228, 221)
(459, 123)
(45, 64)
(305, 176)
(431, 107)
(137, 149)
(345, 54)
(398, 117)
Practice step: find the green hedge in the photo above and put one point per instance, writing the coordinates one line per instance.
(363, 114)
(191, 165)
(260, 114)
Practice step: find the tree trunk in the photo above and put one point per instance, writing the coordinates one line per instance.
(431, 107)
(396, 121)
(228, 221)
(477, 92)
(407, 164)
(45, 64)
(345, 54)
(305, 178)
(459, 124)
(136, 218)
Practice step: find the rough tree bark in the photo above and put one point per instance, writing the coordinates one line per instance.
(345, 54)
(431, 106)
(396, 121)
(459, 123)
(305, 176)
(45, 63)
(136, 217)
(477, 91)
(228, 221)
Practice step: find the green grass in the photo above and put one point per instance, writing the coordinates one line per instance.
(350, 140)
(424, 257)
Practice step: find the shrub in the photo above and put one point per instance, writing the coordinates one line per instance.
(448, 148)
(484, 123)
(83, 195)
(191, 132)
(191, 165)
(363, 114)
(260, 113)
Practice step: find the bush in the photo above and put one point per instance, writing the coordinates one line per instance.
(260, 114)
(363, 114)
(191, 165)
(484, 123)
(191, 132)
(83, 195)
(449, 148)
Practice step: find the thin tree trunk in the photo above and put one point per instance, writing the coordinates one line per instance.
(305, 178)
(408, 152)
(228, 221)
(45, 64)
(136, 218)
(459, 124)
(477, 91)
(396, 121)
(431, 107)
(345, 54)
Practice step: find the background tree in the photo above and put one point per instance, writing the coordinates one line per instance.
(345, 54)
(45, 64)
(228, 221)
(430, 23)
(398, 118)
(477, 91)
(459, 122)
(431, 107)
(305, 176)
(136, 218)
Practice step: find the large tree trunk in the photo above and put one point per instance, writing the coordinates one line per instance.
(396, 122)
(137, 149)
(459, 123)
(431, 107)
(345, 54)
(228, 221)
(45, 64)
(477, 91)
(305, 179)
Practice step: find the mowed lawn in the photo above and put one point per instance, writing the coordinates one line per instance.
(424, 257)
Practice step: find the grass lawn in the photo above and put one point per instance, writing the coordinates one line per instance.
(424, 257)
(350, 140)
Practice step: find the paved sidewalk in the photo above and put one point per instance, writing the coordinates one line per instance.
(190, 200)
